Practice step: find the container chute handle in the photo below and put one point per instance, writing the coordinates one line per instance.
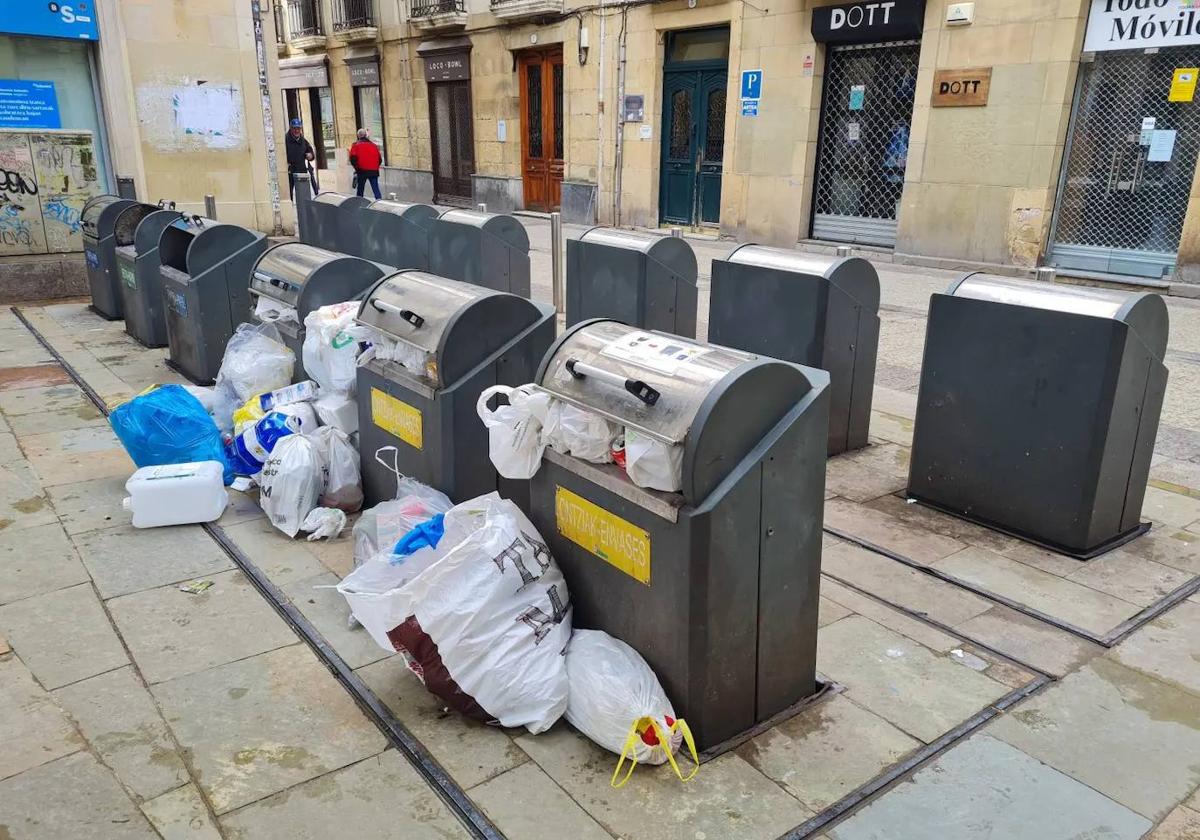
(637, 387)
(405, 314)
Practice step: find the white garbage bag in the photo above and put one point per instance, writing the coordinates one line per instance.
(339, 470)
(323, 523)
(571, 430)
(290, 483)
(331, 345)
(616, 700)
(652, 463)
(268, 310)
(484, 623)
(339, 411)
(256, 361)
(515, 441)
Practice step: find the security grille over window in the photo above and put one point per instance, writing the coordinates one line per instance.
(428, 8)
(866, 117)
(304, 18)
(1124, 191)
(351, 14)
(280, 31)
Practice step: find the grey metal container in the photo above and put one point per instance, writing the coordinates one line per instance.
(717, 585)
(809, 309)
(396, 233)
(205, 269)
(485, 249)
(108, 221)
(466, 338)
(637, 278)
(141, 281)
(305, 278)
(335, 224)
(1039, 408)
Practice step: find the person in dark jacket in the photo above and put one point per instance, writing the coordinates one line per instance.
(299, 153)
(366, 160)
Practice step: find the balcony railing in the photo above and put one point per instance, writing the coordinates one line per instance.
(518, 9)
(280, 31)
(429, 8)
(304, 18)
(352, 14)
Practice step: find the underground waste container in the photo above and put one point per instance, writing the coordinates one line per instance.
(639, 279)
(300, 278)
(107, 222)
(1038, 409)
(485, 249)
(809, 309)
(141, 281)
(716, 585)
(397, 233)
(205, 269)
(417, 409)
(335, 223)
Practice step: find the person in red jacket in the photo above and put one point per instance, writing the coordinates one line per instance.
(366, 160)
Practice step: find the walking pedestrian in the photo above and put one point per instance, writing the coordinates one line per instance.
(366, 160)
(299, 153)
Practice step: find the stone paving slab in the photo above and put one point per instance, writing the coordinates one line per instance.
(470, 751)
(922, 694)
(125, 559)
(883, 530)
(868, 473)
(15, 402)
(985, 789)
(58, 420)
(1132, 738)
(180, 814)
(259, 725)
(918, 631)
(727, 799)
(1130, 577)
(281, 559)
(33, 729)
(37, 560)
(92, 505)
(1166, 648)
(1170, 508)
(379, 798)
(1029, 640)
(23, 503)
(1179, 549)
(120, 720)
(1181, 824)
(77, 455)
(325, 607)
(73, 797)
(172, 633)
(506, 799)
(34, 376)
(63, 636)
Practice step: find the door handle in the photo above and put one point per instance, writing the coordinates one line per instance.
(1112, 171)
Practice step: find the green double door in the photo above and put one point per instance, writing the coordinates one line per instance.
(693, 139)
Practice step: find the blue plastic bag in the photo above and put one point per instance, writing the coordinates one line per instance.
(167, 425)
(426, 535)
(249, 450)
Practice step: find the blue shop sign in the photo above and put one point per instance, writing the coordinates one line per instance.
(28, 104)
(75, 19)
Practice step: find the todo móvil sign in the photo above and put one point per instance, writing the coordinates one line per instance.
(1138, 24)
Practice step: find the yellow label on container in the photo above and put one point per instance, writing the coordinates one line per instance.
(611, 538)
(399, 418)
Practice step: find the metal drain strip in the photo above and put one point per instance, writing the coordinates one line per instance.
(455, 798)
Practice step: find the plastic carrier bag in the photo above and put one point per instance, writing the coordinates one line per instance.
(652, 463)
(167, 425)
(339, 470)
(616, 700)
(291, 483)
(571, 430)
(331, 345)
(251, 448)
(380, 527)
(515, 441)
(256, 360)
(484, 623)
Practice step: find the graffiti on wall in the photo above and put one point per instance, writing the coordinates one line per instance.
(45, 179)
(185, 115)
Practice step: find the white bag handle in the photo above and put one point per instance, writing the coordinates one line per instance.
(481, 406)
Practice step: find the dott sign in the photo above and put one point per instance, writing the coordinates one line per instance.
(858, 23)
(961, 88)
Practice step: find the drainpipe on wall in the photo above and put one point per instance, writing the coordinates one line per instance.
(619, 159)
(268, 119)
(600, 116)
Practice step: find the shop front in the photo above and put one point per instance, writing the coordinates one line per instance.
(448, 75)
(309, 98)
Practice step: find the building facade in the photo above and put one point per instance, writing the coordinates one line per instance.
(1003, 132)
(157, 99)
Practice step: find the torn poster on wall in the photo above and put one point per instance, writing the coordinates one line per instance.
(191, 115)
(45, 179)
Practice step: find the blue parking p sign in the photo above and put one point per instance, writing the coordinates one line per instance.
(752, 84)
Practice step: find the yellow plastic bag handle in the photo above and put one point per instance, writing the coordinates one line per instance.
(630, 749)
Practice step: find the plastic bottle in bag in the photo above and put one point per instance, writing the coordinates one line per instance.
(300, 392)
(250, 449)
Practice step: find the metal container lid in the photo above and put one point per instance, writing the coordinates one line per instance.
(307, 277)
(1145, 312)
(126, 223)
(149, 231)
(680, 372)
(852, 275)
(402, 208)
(674, 253)
(502, 227)
(338, 200)
(202, 243)
(95, 206)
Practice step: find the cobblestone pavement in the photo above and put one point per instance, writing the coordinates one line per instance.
(130, 708)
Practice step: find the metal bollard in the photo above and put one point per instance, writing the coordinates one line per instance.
(303, 195)
(556, 262)
(210, 206)
(677, 232)
(1046, 274)
(481, 207)
(844, 250)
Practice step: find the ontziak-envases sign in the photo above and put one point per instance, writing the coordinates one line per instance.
(874, 20)
(1138, 24)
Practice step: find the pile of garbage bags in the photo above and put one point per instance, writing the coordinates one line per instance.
(519, 432)
(333, 343)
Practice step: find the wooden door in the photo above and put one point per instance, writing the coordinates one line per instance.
(453, 141)
(541, 84)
